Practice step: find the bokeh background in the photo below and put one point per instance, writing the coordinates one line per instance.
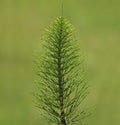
(22, 23)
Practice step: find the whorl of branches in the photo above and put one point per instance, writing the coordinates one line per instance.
(61, 76)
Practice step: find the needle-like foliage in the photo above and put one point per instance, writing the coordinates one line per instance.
(62, 85)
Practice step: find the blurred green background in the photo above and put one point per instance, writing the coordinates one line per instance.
(22, 23)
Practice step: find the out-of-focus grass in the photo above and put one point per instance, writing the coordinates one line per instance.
(21, 25)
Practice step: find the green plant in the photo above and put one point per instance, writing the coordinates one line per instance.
(61, 76)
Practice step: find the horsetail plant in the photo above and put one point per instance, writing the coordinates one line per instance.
(61, 76)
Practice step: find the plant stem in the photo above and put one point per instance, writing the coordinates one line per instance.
(60, 82)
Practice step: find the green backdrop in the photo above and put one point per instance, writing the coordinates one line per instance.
(22, 23)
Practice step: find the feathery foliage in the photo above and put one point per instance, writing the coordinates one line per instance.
(62, 85)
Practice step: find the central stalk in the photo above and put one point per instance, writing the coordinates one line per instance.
(60, 80)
